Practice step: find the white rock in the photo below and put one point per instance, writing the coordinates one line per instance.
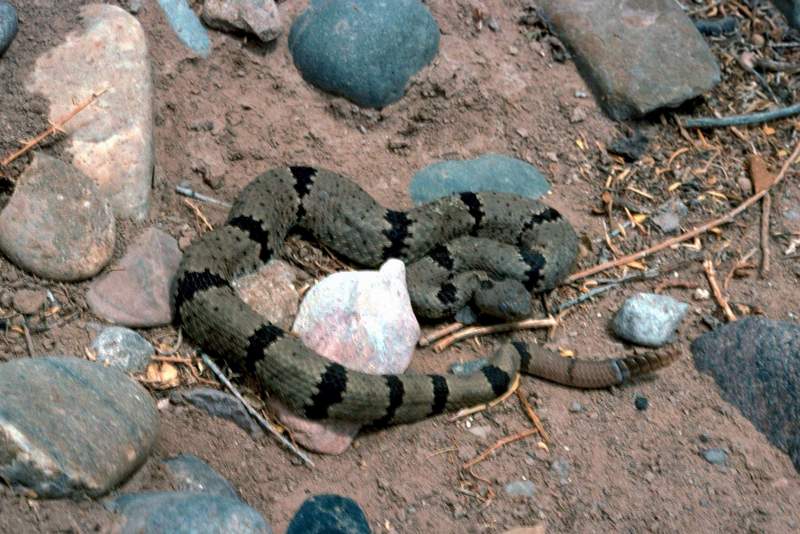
(362, 320)
(111, 141)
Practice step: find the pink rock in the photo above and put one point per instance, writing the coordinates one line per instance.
(137, 292)
(362, 320)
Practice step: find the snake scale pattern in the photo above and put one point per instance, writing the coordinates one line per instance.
(453, 247)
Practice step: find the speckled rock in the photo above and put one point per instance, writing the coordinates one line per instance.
(123, 349)
(57, 224)
(490, 172)
(790, 10)
(69, 427)
(136, 292)
(219, 404)
(362, 320)
(190, 473)
(186, 513)
(186, 26)
(270, 291)
(110, 141)
(649, 319)
(8, 25)
(364, 50)
(327, 514)
(258, 17)
(756, 363)
(637, 56)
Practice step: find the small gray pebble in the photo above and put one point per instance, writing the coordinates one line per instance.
(123, 349)
(649, 319)
(576, 407)
(715, 456)
(520, 488)
(641, 402)
(468, 367)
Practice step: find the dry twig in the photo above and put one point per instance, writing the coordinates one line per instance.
(743, 120)
(439, 333)
(472, 331)
(199, 213)
(692, 233)
(500, 443)
(766, 204)
(708, 266)
(537, 423)
(741, 264)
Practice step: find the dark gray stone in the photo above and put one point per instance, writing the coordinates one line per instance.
(490, 172)
(123, 349)
(636, 56)
(8, 25)
(218, 404)
(649, 319)
(190, 473)
(364, 50)
(641, 403)
(70, 427)
(187, 26)
(186, 513)
(520, 488)
(756, 363)
(329, 514)
(790, 10)
(715, 456)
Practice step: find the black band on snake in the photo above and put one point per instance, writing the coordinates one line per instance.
(454, 248)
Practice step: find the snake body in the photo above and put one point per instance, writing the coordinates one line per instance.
(454, 247)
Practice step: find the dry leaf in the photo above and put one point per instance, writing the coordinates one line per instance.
(759, 173)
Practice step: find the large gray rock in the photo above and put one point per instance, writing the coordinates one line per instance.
(111, 141)
(190, 473)
(364, 50)
(8, 25)
(187, 26)
(790, 10)
(70, 428)
(186, 513)
(756, 363)
(637, 56)
(57, 224)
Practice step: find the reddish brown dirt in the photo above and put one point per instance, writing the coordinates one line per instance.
(630, 471)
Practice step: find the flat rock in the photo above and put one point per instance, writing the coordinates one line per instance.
(362, 320)
(190, 473)
(123, 349)
(364, 50)
(110, 141)
(636, 56)
(71, 428)
(270, 291)
(490, 172)
(29, 301)
(186, 513)
(756, 363)
(328, 513)
(520, 488)
(668, 217)
(790, 10)
(8, 25)
(219, 404)
(649, 319)
(136, 292)
(57, 224)
(187, 26)
(258, 17)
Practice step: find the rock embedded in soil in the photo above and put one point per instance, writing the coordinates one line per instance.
(218, 404)
(187, 26)
(649, 319)
(29, 301)
(270, 292)
(186, 512)
(490, 172)
(123, 349)
(636, 56)
(364, 50)
(323, 514)
(668, 217)
(57, 224)
(8, 25)
(136, 293)
(190, 473)
(520, 488)
(71, 428)
(258, 17)
(790, 10)
(111, 141)
(362, 320)
(641, 403)
(715, 456)
(756, 363)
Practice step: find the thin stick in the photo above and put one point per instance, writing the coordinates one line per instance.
(766, 204)
(472, 331)
(28, 340)
(742, 263)
(424, 341)
(191, 193)
(263, 422)
(708, 266)
(692, 233)
(199, 213)
(742, 120)
(500, 443)
(172, 350)
(54, 127)
(532, 416)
